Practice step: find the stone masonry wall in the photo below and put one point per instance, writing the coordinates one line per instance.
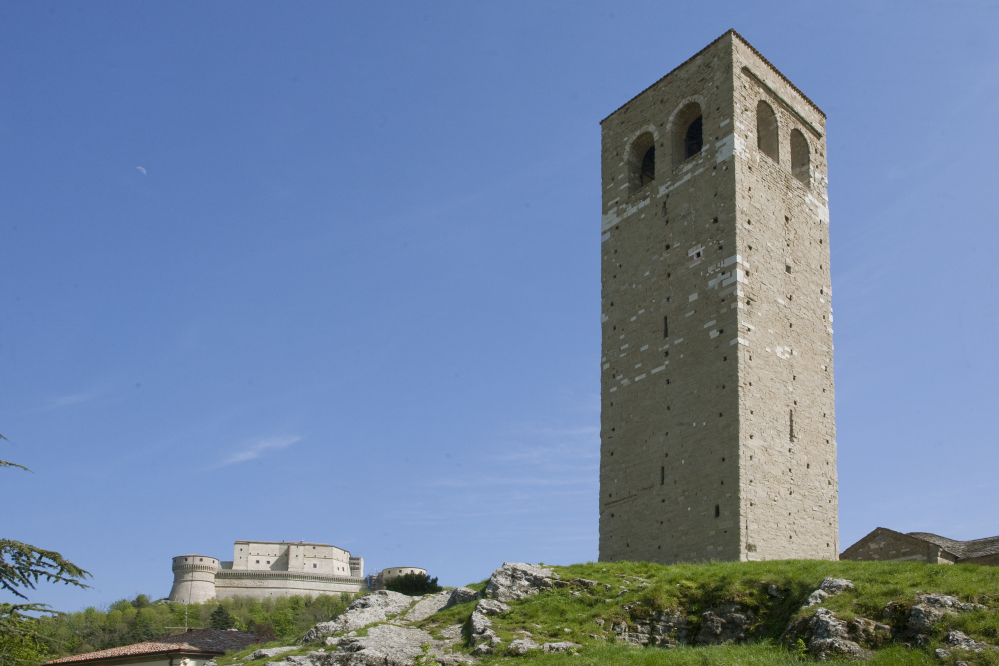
(789, 489)
(689, 450)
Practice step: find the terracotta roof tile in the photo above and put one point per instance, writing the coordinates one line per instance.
(199, 640)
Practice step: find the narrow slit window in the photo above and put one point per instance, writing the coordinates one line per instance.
(662, 476)
(791, 425)
(665, 327)
(717, 510)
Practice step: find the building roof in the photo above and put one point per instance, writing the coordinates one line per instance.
(963, 549)
(199, 641)
(752, 48)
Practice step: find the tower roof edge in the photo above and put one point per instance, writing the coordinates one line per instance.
(735, 34)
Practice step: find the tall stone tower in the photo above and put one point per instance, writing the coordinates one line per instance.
(718, 436)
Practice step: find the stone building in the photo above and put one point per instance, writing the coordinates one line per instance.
(718, 436)
(268, 569)
(891, 546)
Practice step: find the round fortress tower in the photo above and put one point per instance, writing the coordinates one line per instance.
(193, 578)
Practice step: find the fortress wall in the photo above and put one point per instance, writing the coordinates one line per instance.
(229, 585)
(301, 557)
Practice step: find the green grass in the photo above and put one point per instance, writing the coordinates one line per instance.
(696, 587)
(723, 655)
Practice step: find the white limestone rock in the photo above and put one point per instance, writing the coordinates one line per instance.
(515, 580)
(461, 595)
(374, 607)
(491, 607)
(830, 637)
(522, 646)
(561, 646)
(427, 606)
(479, 623)
(271, 652)
(836, 585)
(388, 645)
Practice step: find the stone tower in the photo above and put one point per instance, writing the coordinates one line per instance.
(717, 404)
(193, 578)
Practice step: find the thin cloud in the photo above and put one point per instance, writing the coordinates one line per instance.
(260, 448)
(75, 399)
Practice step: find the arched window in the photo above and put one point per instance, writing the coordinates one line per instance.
(801, 167)
(688, 133)
(766, 131)
(642, 161)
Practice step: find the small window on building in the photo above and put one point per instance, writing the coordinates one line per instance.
(665, 327)
(642, 161)
(688, 134)
(717, 510)
(766, 131)
(801, 167)
(314, 566)
(258, 561)
(662, 476)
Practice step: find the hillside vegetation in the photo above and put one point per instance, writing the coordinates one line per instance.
(603, 613)
(626, 593)
(125, 622)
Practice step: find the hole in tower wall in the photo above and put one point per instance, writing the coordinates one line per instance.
(717, 510)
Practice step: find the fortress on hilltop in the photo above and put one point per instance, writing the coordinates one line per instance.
(718, 436)
(268, 569)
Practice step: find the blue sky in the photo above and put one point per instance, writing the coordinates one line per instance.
(354, 296)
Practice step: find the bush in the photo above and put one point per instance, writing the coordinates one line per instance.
(221, 618)
(414, 584)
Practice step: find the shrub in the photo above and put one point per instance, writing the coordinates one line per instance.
(221, 618)
(414, 584)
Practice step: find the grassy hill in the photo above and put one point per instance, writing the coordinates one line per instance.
(595, 616)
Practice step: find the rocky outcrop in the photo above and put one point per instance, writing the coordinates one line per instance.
(957, 640)
(830, 636)
(374, 607)
(491, 607)
(827, 588)
(427, 606)
(727, 624)
(561, 646)
(666, 629)
(389, 645)
(270, 652)
(928, 611)
(461, 595)
(516, 580)
(522, 646)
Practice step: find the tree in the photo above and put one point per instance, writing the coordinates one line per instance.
(221, 618)
(414, 584)
(21, 566)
